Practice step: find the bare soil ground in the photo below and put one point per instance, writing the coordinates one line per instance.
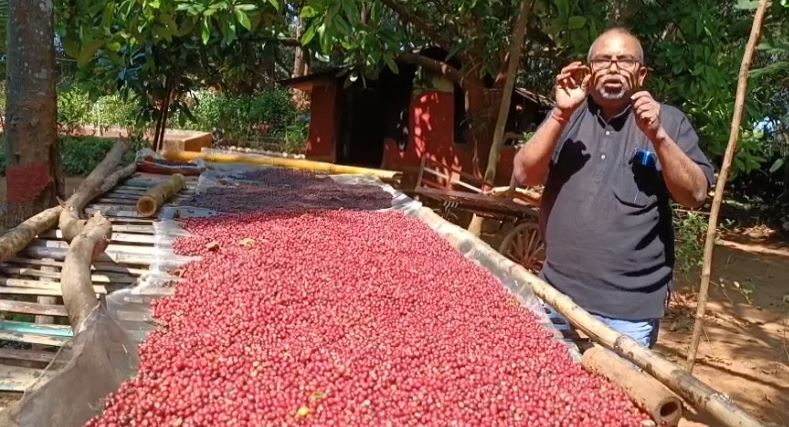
(744, 351)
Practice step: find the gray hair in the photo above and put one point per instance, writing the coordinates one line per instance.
(618, 30)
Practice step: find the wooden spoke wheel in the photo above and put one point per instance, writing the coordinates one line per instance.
(524, 245)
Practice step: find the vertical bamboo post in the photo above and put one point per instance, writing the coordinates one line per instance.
(712, 227)
(518, 35)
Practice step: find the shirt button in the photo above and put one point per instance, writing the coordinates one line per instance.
(608, 132)
(602, 156)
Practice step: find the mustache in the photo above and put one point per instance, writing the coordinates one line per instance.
(622, 76)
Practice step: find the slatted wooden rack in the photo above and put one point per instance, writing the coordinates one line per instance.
(33, 322)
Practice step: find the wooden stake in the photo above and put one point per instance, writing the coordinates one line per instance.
(150, 203)
(79, 296)
(712, 227)
(70, 222)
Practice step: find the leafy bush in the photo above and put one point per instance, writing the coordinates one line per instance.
(241, 117)
(74, 107)
(690, 231)
(80, 155)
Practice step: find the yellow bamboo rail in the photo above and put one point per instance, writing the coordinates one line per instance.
(299, 164)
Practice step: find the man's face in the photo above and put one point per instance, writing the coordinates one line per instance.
(616, 70)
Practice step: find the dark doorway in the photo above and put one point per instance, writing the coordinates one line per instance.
(361, 127)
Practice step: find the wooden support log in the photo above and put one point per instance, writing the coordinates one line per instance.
(149, 204)
(299, 164)
(662, 405)
(79, 296)
(70, 222)
(20, 236)
(111, 181)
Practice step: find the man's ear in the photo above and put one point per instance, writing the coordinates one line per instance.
(642, 75)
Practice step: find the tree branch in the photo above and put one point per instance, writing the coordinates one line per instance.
(438, 67)
(408, 17)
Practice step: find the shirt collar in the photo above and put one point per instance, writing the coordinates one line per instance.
(617, 121)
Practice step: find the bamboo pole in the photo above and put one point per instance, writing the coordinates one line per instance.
(301, 164)
(712, 227)
(70, 222)
(149, 204)
(647, 393)
(518, 34)
(76, 285)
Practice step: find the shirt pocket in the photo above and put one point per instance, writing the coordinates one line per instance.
(637, 186)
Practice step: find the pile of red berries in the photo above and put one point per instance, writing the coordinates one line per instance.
(276, 189)
(341, 318)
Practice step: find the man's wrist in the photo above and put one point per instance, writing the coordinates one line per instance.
(660, 137)
(561, 116)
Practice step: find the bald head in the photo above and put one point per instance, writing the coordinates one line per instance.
(619, 39)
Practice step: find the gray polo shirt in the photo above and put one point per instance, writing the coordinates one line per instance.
(605, 213)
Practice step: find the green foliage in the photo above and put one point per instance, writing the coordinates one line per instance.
(240, 117)
(80, 155)
(690, 231)
(477, 32)
(78, 107)
(74, 106)
(147, 49)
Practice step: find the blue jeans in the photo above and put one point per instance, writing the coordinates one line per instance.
(645, 332)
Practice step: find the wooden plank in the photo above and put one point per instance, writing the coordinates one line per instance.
(14, 290)
(116, 237)
(116, 257)
(119, 202)
(133, 228)
(121, 248)
(97, 266)
(27, 355)
(36, 284)
(51, 330)
(32, 308)
(33, 338)
(19, 379)
(131, 219)
(96, 278)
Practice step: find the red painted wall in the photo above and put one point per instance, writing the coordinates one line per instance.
(322, 138)
(431, 131)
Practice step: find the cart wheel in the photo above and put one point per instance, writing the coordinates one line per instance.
(524, 245)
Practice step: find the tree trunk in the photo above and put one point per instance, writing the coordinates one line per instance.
(33, 175)
(298, 60)
(519, 32)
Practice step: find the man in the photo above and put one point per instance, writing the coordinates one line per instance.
(610, 157)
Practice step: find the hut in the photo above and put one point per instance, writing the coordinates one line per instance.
(393, 121)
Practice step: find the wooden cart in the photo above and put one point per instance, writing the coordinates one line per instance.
(518, 235)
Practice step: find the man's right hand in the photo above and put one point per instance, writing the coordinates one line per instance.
(572, 87)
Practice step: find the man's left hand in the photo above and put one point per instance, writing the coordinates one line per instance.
(647, 112)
